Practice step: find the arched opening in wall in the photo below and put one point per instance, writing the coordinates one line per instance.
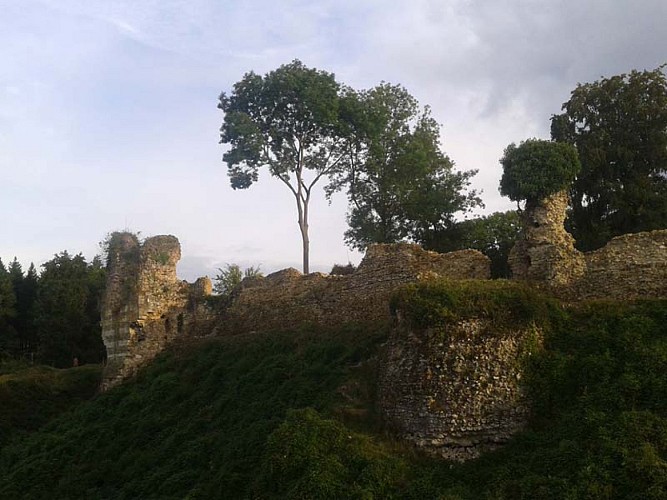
(179, 323)
(167, 326)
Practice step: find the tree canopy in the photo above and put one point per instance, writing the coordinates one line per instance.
(67, 310)
(399, 184)
(8, 334)
(536, 169)
(289, 122)
(619, 126)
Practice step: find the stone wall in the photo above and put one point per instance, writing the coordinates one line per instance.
(145, 305)
(455, 391)
(288, 299)
(628, 267)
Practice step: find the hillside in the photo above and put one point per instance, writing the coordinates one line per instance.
(30, 396)
(291, 415)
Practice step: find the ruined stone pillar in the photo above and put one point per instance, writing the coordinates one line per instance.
(546, 252)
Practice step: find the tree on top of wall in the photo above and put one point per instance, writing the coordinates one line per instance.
(536, 169)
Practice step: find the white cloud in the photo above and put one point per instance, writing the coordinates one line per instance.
(108, 112)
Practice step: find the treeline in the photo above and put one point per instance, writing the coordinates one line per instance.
(52, 317)
(383, 149)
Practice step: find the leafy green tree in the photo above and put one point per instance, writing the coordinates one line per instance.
(8, 334)
(619, 126)
(67, 312)
(494, 235)
(289, 122)
(399, 184)
(231, 276)
(536, 169)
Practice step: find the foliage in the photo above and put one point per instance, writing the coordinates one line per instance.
(25, 289)
(536, 169)
(32, 395)
(507, 304)
(312, 457)
(619, 126)
(231, 276)
(399, 184)
(121, 245)
(494, 235)
(194, 423)
(8, 334)
(67, 317)
(343, 270)
(287, 121)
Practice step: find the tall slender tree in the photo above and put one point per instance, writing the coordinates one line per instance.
(287, 121)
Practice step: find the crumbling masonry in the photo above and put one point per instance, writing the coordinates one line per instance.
(145, 305)
(454, 399)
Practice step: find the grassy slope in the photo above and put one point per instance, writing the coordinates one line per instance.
(283, 416)
(32, 395)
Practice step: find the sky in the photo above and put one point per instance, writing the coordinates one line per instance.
(109, 119)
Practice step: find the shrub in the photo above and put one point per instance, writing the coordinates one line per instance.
(536, 169)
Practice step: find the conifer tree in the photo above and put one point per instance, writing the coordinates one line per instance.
(8, 335)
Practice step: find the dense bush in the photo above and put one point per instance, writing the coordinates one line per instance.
(32, 395)
(536, 169)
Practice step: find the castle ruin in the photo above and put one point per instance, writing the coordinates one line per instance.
(145, 306)
(453, 399)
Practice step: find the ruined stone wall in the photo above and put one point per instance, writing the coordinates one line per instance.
(145, 305)
(629, 266)
(288, 299)
(455, 391)
(546, 253)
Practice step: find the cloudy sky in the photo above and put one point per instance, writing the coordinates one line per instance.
(108, 117)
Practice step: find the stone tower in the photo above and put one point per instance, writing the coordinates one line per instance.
(145, 305)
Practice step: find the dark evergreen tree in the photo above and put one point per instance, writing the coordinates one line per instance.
(8, 334)
(26, 293)
(67, 311)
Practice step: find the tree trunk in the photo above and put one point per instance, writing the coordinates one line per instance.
(302, 209)
(306, 246)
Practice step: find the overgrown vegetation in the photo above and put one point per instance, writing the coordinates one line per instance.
(619, 127)
(32, 395)
(507, 304)
(231, 276)
(536, 169)
(290, 415)
(342, 269)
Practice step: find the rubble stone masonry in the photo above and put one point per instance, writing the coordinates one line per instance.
(287, 299)
(455, 391)
(145, 305)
